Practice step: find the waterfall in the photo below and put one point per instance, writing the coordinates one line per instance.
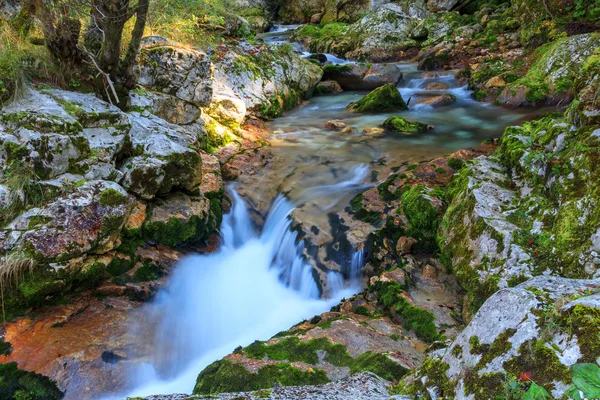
(256, 285)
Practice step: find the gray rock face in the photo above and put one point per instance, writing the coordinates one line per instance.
(535, 319)
(164, 158)
(364, 386)
(363, 77)
(171, 69)
(86, 221)
(441, 5)
(167, 107)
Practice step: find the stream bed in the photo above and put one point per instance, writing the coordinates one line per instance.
(258, 283)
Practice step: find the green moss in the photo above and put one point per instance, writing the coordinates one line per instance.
(435, 371)
(536, 357)
(147, 272)
(379, 364)
(362, 310)
(415, 318)
(21, 385)
(292, 349)
(226, 376)
(359, 212)
(335, 69)
(423, 217)
(5, 348)
(176, 232)
(455, 163)
(584, 322)
(404, 126)
(112, 198)
(383, 99)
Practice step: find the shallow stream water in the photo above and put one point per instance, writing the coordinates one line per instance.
(258, 284)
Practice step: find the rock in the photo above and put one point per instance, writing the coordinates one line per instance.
(348, 76)
(495, 82)
(165, 159)
(212, 181)
(167, 107)
(404, 127)
(180, 220)
(437, 101)
(441, 5)
(271, 80)
(89, 220)
(41, 135)
(510, 335)
(383, 99)
(374, 132)
(363, 386)
(172, 69)
(316, 18)
(381, 74)
(435, 86)
(433, 62)
(405, 245)
(549, 80)
(319, 57)
(335, 125)
(326, 87)
(347, 130)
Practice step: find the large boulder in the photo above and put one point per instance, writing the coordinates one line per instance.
(38, 133)
(172, 69)
(361, 76)
(89, 220)
(383, 99)
(404, 126)
(550, 78)
(260, 79)
(536, 332)
(164, 157)
(528, 210)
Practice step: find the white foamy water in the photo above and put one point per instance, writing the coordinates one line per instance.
(255, 286)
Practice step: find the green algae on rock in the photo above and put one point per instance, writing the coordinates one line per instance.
(383, 99)
(404, 126)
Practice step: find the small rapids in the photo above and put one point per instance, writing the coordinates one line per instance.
(256, 285)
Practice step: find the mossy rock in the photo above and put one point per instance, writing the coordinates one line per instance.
(383, 99)
(22, 385)
(403, 126)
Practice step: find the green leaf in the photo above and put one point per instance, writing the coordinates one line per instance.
(587, 379)
(536, 392)
(574, 394)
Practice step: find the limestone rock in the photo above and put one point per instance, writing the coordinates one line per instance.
(435, 86)
(441, 5)
(405, 245)
(374, 132)
(383, 99)
(175, 70)
(510, 335)
(329, 86)
(336, 125)
(87, 221)
(165, 159)
(437, 101)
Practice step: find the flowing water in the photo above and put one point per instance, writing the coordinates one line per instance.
(258, 283)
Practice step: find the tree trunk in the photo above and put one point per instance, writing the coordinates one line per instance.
(129, 76)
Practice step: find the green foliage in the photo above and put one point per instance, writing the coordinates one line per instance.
(21, 385)
(586, 378)
(455, 163)
(383, 99)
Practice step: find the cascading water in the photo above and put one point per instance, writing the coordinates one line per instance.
(255, 286)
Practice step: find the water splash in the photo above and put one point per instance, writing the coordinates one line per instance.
(255, 286)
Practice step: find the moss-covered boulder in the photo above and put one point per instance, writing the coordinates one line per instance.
(404, 126)
(181, 220)
(18, 384)
(384, 99)
(526, 211)
(550, 78)
(542, 330)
